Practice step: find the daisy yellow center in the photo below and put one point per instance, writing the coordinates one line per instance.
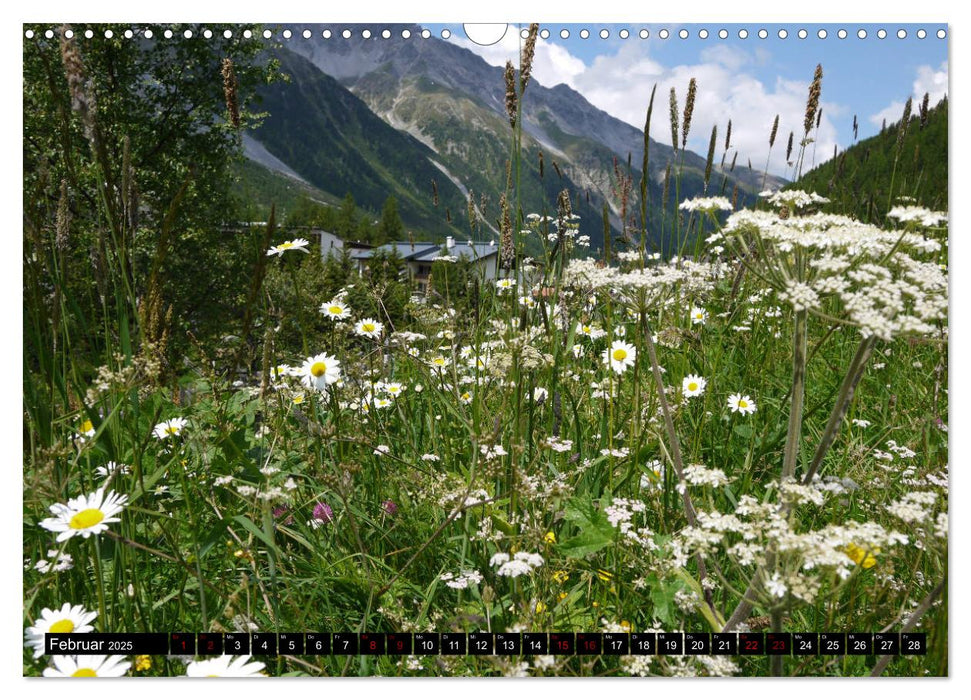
(84, 673)
(62, 627)
(172, 429)
(692, 386)
(286, 246)
(318, 369)
(367, 327)
(742, 403)
(586, 329)
(620, 354)
(87, 426)
(336, 310)
(87, 518)
(438, 361)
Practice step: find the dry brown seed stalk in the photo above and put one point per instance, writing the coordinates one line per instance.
(904, 121)
(505, 227)
(231, 91)
(674, 120)
(526, 59)
(812, 104)
(775, 130)
(511, 101)
(689, 108)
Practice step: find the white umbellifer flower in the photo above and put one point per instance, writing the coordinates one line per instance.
(620, 356)
(741, 404)
(693, 385)
(381, 450)
(225, 666)
(923, 216)
(464, 580)
(296, 244)
(59, 561)
(319, 371)
(520, 563)
(775, 586)
(540, 394)
(70, 618)
(498, 559)
(87, 666)
(335, 309)
(84, 515)
(169, 428)
(795, 199)
(369, 328)
(800, 295)
(706, 204)
(698, 316)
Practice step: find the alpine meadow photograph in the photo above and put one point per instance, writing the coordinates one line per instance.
(487, 350)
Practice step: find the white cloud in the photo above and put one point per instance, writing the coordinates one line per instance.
(620, 84)
(928, 81)
(552, 65)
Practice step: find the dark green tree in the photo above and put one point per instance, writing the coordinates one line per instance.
(390, 228)
(139, 134)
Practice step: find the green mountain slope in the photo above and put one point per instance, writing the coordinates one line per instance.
(332, 140)
(870, 176)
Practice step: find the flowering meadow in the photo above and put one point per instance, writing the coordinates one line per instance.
(752, 439)
(743, 431)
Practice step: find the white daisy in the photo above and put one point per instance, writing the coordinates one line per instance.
(693, 385)
(335, 309)
(85, 430)
(741, 404)
(505, 284)
(393, 388)
(68, 619)
(296, 244)
(112, 467)
(87, 666)
(319, 371)
(369, 328)
(620, 356)
(171, 427)
(84, 515)
(698, 315)
(225, 666)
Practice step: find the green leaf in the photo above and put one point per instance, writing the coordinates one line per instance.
(252, 527)
(743, 431)
(596, 532)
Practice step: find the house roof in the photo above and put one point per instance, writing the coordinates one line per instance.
(427, 251)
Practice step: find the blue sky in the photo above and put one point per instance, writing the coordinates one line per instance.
(748, 80)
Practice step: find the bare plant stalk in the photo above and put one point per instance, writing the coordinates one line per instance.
(850, 381)
(675, 452)
(793, 437)
(912, 621)
(843, 399)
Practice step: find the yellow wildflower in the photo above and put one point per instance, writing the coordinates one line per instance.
(864, 557)
(143, 662)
